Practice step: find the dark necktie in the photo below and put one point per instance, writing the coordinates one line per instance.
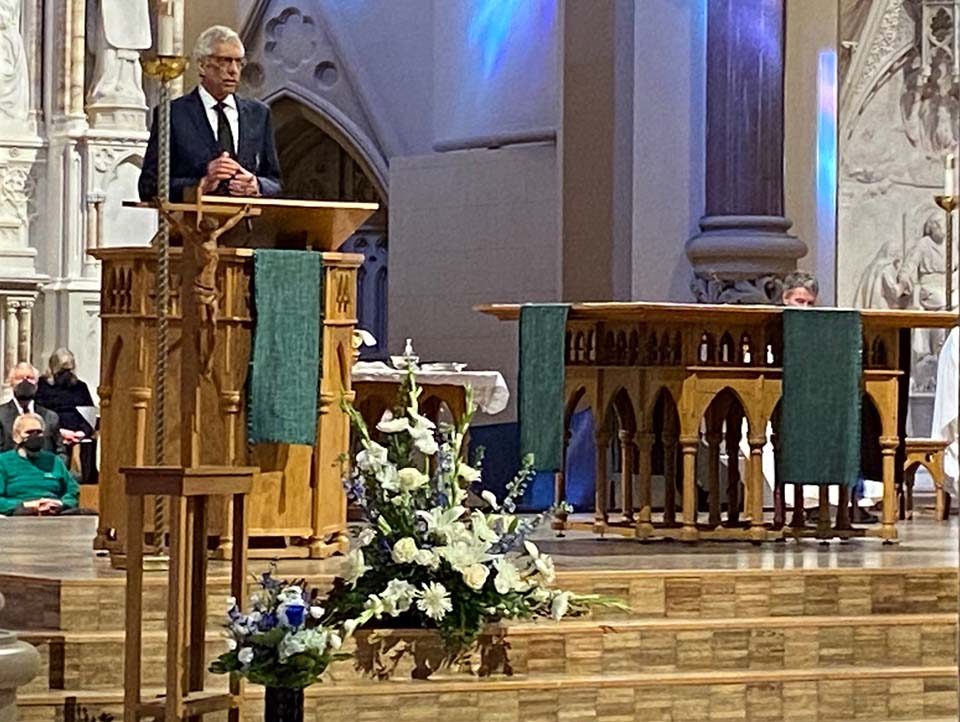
(224, 132)
(224, 142)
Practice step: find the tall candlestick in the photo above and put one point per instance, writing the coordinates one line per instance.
(950, 176)
(165, 28)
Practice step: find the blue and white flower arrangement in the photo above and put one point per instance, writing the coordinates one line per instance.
(426, 560)
(283, 641)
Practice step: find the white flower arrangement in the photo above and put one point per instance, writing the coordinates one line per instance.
(426, 560)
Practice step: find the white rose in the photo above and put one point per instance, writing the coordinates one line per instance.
(404, 551)
(412, 479)
(231, 643)
(475, 576)
(427, 558)
(245, 656)
(316, 612)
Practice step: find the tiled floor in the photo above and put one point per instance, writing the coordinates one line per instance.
(61, 548)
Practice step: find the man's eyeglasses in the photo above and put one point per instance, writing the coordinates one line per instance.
(223, 62)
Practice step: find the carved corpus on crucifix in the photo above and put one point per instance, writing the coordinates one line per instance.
(200, 263)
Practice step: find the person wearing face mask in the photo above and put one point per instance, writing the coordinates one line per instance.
(34, 481)
(63, 393)
(23, 379)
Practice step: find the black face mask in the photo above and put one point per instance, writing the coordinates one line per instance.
(25, 392)
(63, 378)
(32, 444)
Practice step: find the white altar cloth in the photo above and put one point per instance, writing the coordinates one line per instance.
(490, 392)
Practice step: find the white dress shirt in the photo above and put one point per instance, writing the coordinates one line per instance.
(230, 110)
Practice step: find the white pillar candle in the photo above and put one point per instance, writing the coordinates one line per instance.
(950, 176)
(165, 28)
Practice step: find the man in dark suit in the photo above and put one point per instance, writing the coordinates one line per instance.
(218, 141)
(24, 378)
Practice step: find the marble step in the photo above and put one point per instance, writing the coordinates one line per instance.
(98, 605)
(829, 694)
(93, 660)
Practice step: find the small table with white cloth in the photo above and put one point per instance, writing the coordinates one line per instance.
(376, 385)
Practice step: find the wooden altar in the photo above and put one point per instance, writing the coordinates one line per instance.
(678, 379)
(297, 505)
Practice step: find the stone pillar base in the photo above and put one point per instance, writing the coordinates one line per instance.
(742, 259)
(19, 664)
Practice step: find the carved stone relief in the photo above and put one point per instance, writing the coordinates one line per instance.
(14, 78)
(899, 117)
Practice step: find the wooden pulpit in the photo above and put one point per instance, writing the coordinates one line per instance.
(297, 505)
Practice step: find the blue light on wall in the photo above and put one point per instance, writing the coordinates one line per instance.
(497, 24)
(827, 143)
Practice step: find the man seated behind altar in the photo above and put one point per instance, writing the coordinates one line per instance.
(34, 481)
(800, 290)
(219, 141)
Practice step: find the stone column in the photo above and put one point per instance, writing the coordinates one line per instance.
(11, 336)
(19, 663)
(744, 248)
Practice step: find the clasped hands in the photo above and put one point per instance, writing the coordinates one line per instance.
(224, 168)
(44, 506)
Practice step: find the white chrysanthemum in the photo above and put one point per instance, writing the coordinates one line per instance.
(404, 551)
(372, 457)
(389, 424)
(475, 576)
(559, 605)
(434, 601)
(508, 577)
(491, 499)
(356, 567)
(245, 655)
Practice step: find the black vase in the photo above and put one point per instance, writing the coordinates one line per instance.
(283, 705)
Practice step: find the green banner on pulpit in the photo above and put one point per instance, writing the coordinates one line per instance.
(285, 362)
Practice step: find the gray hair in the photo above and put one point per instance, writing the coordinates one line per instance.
(801, 279)
(21, 421)
(210, 38)
(61, 360)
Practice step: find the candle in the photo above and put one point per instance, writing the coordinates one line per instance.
(165, 26)
(949, 176)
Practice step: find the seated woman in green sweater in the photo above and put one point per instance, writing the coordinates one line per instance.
(34, 481)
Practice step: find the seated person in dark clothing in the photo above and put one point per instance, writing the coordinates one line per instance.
(23, 378)
(63, 393)
(34, 481)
